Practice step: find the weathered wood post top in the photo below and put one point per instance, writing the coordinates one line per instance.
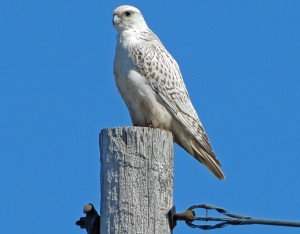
(136, 180)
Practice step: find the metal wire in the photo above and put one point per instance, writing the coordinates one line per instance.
(234, 219)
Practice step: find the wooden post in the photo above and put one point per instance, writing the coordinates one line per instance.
(136, 180)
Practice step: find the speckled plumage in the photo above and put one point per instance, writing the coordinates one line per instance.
(149, 81)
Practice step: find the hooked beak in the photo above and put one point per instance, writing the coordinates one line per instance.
(116, 19)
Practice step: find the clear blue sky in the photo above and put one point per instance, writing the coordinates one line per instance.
(241, 64)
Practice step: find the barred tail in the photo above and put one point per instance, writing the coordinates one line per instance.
(211, 162)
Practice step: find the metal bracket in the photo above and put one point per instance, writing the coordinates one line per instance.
(92, 220)
(187, 216)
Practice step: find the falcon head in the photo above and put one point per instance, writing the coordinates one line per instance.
(128, 17)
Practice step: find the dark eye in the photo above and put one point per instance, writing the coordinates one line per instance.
(128, 13)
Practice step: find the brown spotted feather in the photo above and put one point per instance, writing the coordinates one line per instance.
(163, 74)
